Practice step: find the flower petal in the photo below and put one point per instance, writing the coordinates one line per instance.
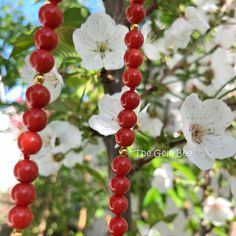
(197, 156)
(219, 146)
(103, 125)
(72, 158)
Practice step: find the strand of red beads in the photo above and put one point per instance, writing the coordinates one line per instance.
(127, 118)
(35, 118)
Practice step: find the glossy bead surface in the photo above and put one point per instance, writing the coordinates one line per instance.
(46, 38)
(130, 100)
(124, 137)
(50, 15)
(23, 194)
(29, 143)
(135, 13)
(20, 217)
(134, 39)
(132, 77)
(118, 204)
(35, 119)
(42, 61)
(26, 171)
(118, 226)
(127, 118)
(133, 58)
(121, 165)
(119, 185)
(37, 96)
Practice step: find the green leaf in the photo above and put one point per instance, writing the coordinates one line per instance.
(151, 196)
(184, 170)
(22, 43)
(170, 218)
(74, 17)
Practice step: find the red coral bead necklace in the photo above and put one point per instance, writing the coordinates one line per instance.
(127, 119)
(35, 119)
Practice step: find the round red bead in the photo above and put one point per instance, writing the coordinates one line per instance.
(46, 38)
(134, 39)
(127, 118)
(121, 165)
(55, 1)
(132, 77)
(42, 61)
(118, 204)
(118, 226)
(23, 194)
(20, 217)
(130, 100)
(137, 1)
(29, 142)
(26, 171)
(124, 137)
(133, 57)
(135, 13)
(37, 96)
(35, 119)
(119, 185)
(50, 15)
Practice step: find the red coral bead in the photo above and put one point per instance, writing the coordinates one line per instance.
(137, 1)
(132, 77)
(130, 100)
(55, 1)
(26, 171)
(135, 13)
(127, 118)
(42, 61)
(119, 185)
(37, 96)
(118, 226)
(46, 38)
(134, 39)
(133, 58)
(35, 119)
(23, 194)
(121, 165)
(50, 15)
(118, 204)
(20, 217)
(124, 137)
(29, 142)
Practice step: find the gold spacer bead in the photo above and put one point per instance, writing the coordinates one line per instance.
(134, 26)
(123, 151)
(39, 78)
(16, 233)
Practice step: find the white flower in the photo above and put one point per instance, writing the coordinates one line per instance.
(197, 19)
(153, 47)
(4, 121)
(179, 34)
(225, 36)
(100, 43)
(148, 124)
(204, 125)
(163, 178)
(207, 5)
(53, 80)
(217, 210)
(106, 121)
(59, 140)
(221, 69)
